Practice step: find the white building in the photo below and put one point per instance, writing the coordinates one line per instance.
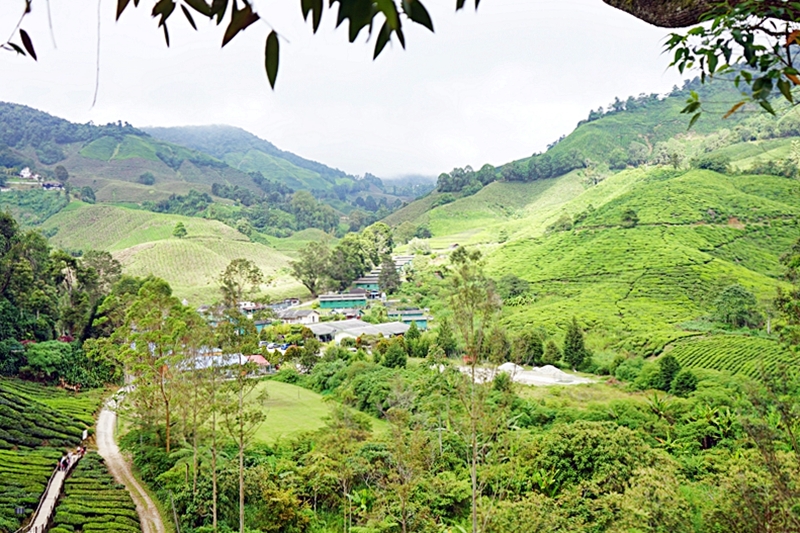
(299, 316)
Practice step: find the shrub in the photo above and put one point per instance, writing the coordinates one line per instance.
(395, 356)
(629, 219)
(147, 178)
(684, 383)
(716, 162)
(668, 368)
(564, 223)
(444, 199)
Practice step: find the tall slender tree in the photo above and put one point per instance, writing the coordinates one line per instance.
(237, 334)
(474, 304)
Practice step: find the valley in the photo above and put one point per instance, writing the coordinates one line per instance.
(650, 270)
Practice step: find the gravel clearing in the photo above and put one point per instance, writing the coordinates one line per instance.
(547, 375)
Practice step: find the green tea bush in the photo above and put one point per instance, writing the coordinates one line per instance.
(95, 502)
(738, 354)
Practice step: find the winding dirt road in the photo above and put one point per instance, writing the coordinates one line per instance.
(149, 517)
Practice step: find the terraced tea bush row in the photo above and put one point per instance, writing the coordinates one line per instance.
(27, 422)
(735, 353)
(23, 478)
(79, 406)
(38, 422)
(94, 502)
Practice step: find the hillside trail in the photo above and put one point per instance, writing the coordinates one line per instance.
(149, 517)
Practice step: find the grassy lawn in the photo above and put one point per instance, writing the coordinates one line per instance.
(291, 410)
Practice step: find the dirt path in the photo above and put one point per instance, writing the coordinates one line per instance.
(106, 446)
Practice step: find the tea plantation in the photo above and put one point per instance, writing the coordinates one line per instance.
(37, 424)
(23, 478)
(735, 353)
(94, 502)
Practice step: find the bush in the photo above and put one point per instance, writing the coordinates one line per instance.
(629, 219)
(668, 368)
(564, 223)
(629, 369)
(684, 383)
(287, 375)
(444, 199)
(716, 162)
(737, 307)
(327, 376)
(395, 356)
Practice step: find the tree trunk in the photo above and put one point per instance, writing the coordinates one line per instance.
(683, 13)
(241, 458)
(214, 448)
(194, 442)
(473, 470)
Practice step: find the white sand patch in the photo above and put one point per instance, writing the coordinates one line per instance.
(538, 376)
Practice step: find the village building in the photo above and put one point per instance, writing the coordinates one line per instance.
(343, 301)
(27, 174)
(407, 316)
(352, 329)
(299, 316)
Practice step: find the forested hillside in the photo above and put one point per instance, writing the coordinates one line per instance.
(215, 172)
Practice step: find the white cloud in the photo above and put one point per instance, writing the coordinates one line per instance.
(487, 87)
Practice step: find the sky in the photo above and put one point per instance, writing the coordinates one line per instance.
(487, 87)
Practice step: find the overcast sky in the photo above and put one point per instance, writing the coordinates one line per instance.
(490, 86)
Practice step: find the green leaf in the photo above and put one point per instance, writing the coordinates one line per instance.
(240, 20)
(694, 119)
(389, 10)
(166, 34)
(316, 10)
(767, 106)
(27, 43)
(188, 17)
(218, 9)
(786, 90)
(358, 12)
(271, 57)
(163, 8)
(400, 37)
(200, 6)
(460, 4)
(121, 5)
(16, 48)
(712, 62)
(417, 12)
(383, 39)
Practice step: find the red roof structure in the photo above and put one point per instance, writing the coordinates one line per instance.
(257, 359)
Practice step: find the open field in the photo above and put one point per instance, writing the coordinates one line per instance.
(292, 410)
